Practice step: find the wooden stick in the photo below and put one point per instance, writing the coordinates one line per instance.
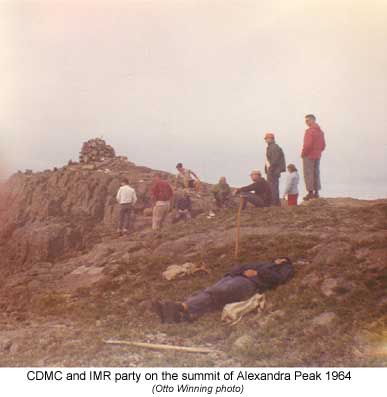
(238, 228)
(160, 347)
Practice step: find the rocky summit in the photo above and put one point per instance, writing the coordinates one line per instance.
(70, 282)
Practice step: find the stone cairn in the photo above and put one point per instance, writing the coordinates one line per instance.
(95, 150)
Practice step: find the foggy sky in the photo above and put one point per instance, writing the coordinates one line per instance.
(198, 82)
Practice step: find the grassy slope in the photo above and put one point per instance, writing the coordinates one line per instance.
(327, 241)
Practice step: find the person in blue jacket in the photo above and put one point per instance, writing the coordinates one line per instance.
(239, 284)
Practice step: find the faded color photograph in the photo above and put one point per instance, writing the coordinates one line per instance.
(193, 183)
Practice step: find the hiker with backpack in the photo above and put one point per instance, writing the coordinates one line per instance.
(239, 284)
(275, 165)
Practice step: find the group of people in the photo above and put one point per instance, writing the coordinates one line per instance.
(260, 193)
(243, 281)
(163, 199)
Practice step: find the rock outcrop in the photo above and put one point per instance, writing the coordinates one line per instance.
(96, 150)
(50, 213)
(46, 215)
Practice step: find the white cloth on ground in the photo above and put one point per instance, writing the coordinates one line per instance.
(233, 312)
(174, 271)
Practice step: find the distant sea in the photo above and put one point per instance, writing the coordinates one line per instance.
(361, 191)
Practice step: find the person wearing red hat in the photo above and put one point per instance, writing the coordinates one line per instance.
(275, 165)
(314, 145)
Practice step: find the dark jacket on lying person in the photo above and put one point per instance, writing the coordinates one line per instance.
(269, 275)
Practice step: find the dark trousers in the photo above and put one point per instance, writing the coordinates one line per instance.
(228, 289)
(273, 181)
(124, 216)
(253, 199)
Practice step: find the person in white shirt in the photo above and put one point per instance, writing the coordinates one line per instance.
(291, 189)
(126, 198)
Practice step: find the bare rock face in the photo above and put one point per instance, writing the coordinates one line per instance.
(324, 319)
(328, 286)
(5, 344)
(44, 215)
(49, 214)
(336, 286)
(331, 253)
(310, 281)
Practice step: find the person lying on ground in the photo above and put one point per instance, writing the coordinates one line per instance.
(261, 196)
(239, 284)
(187, 178)
(183, 207)
(222, 193)
(291, 188)
(126, 198)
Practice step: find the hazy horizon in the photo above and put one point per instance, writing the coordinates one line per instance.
(198, 82)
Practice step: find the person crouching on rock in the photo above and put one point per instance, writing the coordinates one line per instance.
(291, 189)
(239, 284)
(261, 196)
(183, 207)
(126, 198)
(162, 196)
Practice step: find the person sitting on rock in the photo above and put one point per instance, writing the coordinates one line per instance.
(262, 195)
(126, 198)
(222, 193)
(183, 206)
(239, 284)
(187, 178)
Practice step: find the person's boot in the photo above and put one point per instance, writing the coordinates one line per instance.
(316, 195)
(157, 307)
(169, 311)
(309, 196)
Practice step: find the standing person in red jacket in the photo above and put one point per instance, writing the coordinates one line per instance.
(314, 145)
(162, 195)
